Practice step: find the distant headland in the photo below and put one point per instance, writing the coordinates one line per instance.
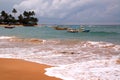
(26, 18)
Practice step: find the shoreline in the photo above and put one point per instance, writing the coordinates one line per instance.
(3, 25)
(17, 69)
(20, 25)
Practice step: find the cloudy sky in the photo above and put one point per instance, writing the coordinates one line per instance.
(68, 11)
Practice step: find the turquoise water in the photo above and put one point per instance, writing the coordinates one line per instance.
(105, 33)
(97, 33)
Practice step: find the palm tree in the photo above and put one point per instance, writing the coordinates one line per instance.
(26, 14)
(32, 13)
(20, 18)
(3, 14)
(28, 18)
(4, 17)
(14, 11)
(11, 19)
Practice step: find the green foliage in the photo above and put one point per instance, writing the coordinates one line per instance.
(14, 11)
(26, 18)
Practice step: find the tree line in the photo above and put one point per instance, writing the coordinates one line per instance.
(26, 18)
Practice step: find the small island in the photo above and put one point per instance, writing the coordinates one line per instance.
(26, 18)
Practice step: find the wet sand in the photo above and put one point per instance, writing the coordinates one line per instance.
(3, 25)
(14, 69)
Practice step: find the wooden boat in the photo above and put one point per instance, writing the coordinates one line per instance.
(9, 27)
(60, 28)
(86, 31)
(83, 30)
(72, 30)
(77, 30)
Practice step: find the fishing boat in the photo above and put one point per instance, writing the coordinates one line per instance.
(77, 30)
(72, 30)
(60, 28)
(86, 31)
(9, 26)
(83, 30)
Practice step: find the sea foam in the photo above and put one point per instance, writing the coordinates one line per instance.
(6, 37)
(89, 70)
(73, 59)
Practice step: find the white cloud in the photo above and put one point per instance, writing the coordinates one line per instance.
(87, 10)
(51, 8)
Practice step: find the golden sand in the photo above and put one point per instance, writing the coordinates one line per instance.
(14, 69)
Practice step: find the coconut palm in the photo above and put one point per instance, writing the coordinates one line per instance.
(4, 16)
(32, 13)
(14, 11)
(20, 18)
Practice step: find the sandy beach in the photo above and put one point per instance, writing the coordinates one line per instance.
(19, 25)
(14, 69)
(3, 25)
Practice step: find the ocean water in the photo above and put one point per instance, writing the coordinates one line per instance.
(76, 56)
(98, 33)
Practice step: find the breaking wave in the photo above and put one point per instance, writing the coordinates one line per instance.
(73, 59)
(89, 70)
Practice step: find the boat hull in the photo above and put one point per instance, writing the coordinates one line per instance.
(9, 27)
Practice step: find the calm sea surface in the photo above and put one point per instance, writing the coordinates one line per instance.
(109, 33)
